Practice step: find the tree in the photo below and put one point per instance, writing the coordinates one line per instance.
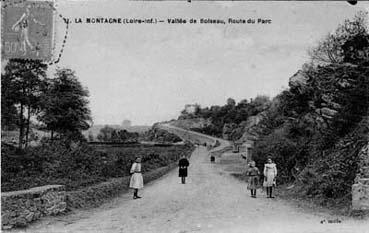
(105, 134)
(9, 112)
(23, 84)
(231, 102)
(330, 49)
(90, 137)
(65, 105)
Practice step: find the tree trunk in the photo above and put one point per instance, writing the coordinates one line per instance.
(21, 128)
(28, 125)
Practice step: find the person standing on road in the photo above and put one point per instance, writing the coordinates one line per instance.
(136, 181)
(183, 163)
(253, 174)
(270, 173)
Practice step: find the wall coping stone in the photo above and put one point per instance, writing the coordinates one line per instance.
(31, 191)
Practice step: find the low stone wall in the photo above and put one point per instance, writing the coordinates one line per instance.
(360, 190)
(18, 208)
(95, 195)
(22, 207)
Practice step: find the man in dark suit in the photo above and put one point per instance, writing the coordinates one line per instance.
(183, 164)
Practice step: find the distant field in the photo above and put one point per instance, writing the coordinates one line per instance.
(95, 130)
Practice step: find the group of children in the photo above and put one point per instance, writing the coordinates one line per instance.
(270, 174)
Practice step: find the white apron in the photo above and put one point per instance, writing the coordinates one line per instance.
(270, 172)
(136, 181)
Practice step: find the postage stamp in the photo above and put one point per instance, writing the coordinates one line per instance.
(27, 30)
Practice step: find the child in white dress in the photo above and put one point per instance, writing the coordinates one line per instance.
(136, 181)
(270, 173)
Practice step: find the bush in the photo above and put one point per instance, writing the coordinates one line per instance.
(315, 129)
(79, 165)
(281, 149)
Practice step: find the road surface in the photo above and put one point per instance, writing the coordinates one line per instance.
(210, 201)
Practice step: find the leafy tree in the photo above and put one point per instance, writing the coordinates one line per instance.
(231, 102)
(65, 105)
(90, 137)
(9, 112)
(105, 134)
(109, 134)
(331, 49)
(23, 84)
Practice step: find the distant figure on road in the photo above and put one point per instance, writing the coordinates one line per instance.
(212, 158)
(183, 163)
(253, 174)
(270, 173)
(136, 181)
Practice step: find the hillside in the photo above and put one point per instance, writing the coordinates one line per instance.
(315, 129)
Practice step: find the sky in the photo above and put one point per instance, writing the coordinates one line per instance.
(147, 73)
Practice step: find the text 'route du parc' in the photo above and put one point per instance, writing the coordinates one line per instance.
(219, 21)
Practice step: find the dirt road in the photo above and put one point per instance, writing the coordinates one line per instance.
(210, 201)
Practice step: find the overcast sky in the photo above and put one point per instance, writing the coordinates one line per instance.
(147, 73)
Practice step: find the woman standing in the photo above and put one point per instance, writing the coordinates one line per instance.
(270, 173)
(136, 181)
(183, 165)
(253, 174)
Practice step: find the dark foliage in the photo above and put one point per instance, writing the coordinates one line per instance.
(65, 105)
(156, 134)
(109, 134)
(230, 113)
(314, 131)
(78, 164)
(22, 86)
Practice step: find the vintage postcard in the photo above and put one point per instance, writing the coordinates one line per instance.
(184, 116)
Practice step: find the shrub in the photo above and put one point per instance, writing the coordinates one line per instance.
(79, 165)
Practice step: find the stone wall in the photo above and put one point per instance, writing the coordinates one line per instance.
(22, 207)
(95, 195)
(360, 190)
(18, 208)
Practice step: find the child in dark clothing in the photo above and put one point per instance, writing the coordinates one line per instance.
(253, 174)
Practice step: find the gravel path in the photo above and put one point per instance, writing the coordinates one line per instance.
(211, 201)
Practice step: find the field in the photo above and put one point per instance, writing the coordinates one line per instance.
(80, 166)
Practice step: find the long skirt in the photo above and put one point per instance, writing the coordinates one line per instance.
(182, 172)
(269, 182)
(253, 182)
(136, 181)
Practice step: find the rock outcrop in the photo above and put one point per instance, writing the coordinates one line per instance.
(298, 80)
(250, 133)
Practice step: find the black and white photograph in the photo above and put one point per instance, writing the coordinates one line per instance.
(180, 116)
